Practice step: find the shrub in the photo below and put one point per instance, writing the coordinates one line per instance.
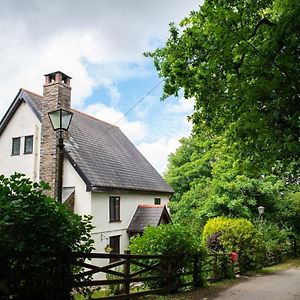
(170, 240)
(238, 235)
(276, 240)
(213, 242)
(37, 235)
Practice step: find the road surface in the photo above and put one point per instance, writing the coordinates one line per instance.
(284, 285)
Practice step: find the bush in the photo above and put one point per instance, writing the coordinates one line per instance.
(170, 240)
(276, 240)
(37, 235)
(213, 242)
(237, 235)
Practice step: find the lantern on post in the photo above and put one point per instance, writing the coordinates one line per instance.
(261, 210)
(60, 120)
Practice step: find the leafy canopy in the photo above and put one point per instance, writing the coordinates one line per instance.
(239, 60)
(211, 181)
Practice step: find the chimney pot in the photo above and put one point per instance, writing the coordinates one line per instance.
(57, 77)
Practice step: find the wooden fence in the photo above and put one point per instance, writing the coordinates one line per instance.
(131, 271)
(156, 274)
(156, 270)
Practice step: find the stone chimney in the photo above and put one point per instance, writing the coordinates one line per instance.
(56, 94)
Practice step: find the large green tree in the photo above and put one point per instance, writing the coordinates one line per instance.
(209, 181)
(240, 59)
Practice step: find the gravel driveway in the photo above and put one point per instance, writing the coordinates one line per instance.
(284, 285)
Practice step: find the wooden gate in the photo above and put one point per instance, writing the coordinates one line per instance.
(137, 269)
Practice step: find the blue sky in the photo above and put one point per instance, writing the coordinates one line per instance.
(100, 44)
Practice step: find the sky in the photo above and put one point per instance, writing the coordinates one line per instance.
(100, 44)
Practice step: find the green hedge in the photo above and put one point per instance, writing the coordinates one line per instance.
(238, 235)
(172, 240)
(32, 226)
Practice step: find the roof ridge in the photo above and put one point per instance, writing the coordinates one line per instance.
(151, 205)
(27, 91)
(83, 113)
(92, 117)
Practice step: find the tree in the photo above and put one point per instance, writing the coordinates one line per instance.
(240, 61)
(37, 235)
(209, 182)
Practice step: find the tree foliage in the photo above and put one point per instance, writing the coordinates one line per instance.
(36, 236)
(211, 181)
(240, 61)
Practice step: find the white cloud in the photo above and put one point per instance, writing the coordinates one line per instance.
(39, 37)
(157, 152)
(183, 106)
(135, 130)
(143, 109)
(99, 44)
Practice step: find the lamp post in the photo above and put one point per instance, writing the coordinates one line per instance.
(261, 210)
(60, 120)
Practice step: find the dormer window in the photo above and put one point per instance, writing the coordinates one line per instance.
(28, 144)
(16, 143)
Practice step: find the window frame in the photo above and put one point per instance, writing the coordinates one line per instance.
(114, 209)
(18, 152)
(157, 199)
(25, 150)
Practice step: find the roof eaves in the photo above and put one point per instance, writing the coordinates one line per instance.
(165, 213)
(15, 105)
(37, 114)
(97, 188)
(11, 110)
(79, 171)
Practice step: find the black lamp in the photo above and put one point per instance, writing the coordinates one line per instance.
(60, 120)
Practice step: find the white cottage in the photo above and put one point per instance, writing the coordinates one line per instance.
(104, 175)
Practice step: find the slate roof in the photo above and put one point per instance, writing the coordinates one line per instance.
(148, 215)
(102, 155)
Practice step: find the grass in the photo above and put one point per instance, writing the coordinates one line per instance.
(213, 289)
(95, 295)
(288, 264)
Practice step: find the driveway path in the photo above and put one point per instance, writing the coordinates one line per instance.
(284, 285)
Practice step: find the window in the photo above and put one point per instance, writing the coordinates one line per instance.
(157, 201)
(114, 243)
(28, 144)
(16, 142)
(114, 209)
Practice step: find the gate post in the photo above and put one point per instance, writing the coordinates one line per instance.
(196, 272)
(169, 275)
(126, 287)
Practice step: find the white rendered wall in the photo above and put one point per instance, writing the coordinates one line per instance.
(23, 123)
(82, 205)
(128, 205)
(104, 229)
